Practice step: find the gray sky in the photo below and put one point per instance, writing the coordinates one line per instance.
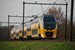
(14, 7)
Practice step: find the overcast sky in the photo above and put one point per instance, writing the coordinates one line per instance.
(14, 7)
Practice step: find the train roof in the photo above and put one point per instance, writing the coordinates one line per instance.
(29, 22)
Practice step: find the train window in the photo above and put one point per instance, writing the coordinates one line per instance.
(24, 33)
(17, 34)
(20, 31)
(34, 32)
(49, 22)
(28, 29)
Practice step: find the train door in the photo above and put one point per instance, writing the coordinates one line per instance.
(29, 30)
(34, 28)
(25, 32)
(17, 34)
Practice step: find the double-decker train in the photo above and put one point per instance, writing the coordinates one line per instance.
(44, 26)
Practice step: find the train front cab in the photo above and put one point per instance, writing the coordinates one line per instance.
(48, 30)
(48, 33)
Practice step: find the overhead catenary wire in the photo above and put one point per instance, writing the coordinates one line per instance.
(44, 10)
(49, 5)
(20, 16)
(12, 22)
(43, 4)
(63, 1)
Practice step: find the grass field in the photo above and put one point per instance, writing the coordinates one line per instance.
(19, 45)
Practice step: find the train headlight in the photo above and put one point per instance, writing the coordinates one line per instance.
(52, 30)
(45, 29)
(49, 26)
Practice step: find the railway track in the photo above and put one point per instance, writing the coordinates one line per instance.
(41, 40)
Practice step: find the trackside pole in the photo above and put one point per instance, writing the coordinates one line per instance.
(23, 17)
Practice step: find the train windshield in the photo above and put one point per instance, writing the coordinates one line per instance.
(49, 22)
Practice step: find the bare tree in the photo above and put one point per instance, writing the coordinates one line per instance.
(56, 12)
